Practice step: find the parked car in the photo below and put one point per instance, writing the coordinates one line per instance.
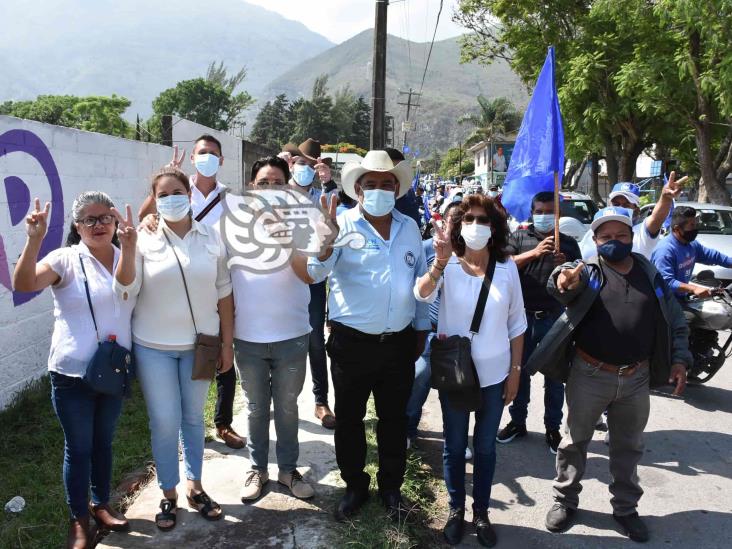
(715, 231)
(576, 211)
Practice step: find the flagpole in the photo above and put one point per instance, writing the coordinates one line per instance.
(556, 212)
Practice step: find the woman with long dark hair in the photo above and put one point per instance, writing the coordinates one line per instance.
(88, 418)
(477, 238)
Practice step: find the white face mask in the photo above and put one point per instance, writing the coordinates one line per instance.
(476, 236)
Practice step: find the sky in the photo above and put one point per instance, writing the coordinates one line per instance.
(339, 20)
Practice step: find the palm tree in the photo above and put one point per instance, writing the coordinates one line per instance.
(497, 118)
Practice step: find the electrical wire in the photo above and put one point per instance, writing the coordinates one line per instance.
(432, 43)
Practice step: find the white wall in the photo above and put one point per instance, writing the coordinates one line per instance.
(84, 161)
(184, 134)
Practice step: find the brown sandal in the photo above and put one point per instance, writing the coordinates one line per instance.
(167, 513)
(204, 505)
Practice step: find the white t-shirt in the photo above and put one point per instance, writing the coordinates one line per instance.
(74, 340)
(199, 202)
(504, 317)
(270, 307)
(643, 242)
(162, 319)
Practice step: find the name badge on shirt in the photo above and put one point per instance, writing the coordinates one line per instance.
(371, 244)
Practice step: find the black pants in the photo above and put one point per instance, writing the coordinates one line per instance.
(360, 366)
(225, 389)
(316, 349)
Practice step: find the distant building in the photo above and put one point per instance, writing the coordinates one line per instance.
(492, 159)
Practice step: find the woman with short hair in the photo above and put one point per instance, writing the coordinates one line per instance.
(88, 418)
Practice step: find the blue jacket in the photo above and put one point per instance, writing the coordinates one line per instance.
(675, 260)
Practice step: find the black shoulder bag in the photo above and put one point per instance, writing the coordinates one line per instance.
(110, 370)
(452, 364)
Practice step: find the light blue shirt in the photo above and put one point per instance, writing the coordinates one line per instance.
(371, 289)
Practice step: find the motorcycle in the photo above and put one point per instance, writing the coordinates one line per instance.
(707, 317)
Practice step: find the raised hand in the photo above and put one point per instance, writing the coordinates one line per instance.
(126, 231)
(673, 188)
(569, 279)
(36, 223)
(323, 171)
(441, 242)
(177, 161)
(287, 157)
(330, 208)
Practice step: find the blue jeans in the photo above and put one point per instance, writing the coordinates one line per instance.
(536, 329)
(272, 372)
(175, 407)
(316, 348)
(420, 389)
(88, 420)
(455, 425)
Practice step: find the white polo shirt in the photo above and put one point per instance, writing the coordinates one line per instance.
(74, 340)
(199, 202)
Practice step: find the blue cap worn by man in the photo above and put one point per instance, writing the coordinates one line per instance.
(627, 333)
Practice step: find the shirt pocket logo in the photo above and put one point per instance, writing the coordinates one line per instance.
(410, 259)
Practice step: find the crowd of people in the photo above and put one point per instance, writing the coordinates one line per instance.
(156, 283)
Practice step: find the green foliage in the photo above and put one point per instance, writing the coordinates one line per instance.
(456, 162)
(93, 113)
(203, 101)
(344, 147)
(218, 74)
(497, 118)
(272, 127)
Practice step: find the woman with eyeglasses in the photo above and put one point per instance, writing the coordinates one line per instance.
(477, 239)
(88, 418)
(180, 277)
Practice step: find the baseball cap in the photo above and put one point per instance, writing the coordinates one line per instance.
(630, 191)
(612, 213)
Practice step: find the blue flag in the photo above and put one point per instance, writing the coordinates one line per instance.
(539, 148)
(415, 181)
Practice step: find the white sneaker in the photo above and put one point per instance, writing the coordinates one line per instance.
(253, 484)
(468, 453)
(294, 481)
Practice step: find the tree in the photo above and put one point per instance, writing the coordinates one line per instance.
(497, 118)
(93, 113)
(456, 163)
(203, 101)
(218, 74)
(273, 127)
(314, 117)
(361, 128)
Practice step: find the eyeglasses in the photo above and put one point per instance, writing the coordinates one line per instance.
(90, 221)
(482, 219)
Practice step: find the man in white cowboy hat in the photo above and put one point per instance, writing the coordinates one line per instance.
(378, 329)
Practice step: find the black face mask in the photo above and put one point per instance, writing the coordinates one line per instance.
(690, 236)
(614, 250)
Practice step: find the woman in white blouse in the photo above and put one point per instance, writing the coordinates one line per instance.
(164, 332)
(475, 230)
(87, 418)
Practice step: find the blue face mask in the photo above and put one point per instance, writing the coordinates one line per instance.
(377, 202)
(206, 164)
(303, 174)
(173, 207)
(543, 223)
(614, 250)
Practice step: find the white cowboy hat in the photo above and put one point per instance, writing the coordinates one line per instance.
(376, 161)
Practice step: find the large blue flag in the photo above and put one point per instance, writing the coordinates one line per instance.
(539, 148)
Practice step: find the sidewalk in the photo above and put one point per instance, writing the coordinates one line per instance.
(275, 520)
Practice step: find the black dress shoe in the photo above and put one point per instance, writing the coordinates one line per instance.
(350, 504)
(634, 527)
(396, 509)
(455, 526)
(559, 518)
(483, 529)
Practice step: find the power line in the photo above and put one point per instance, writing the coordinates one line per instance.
(432, 43)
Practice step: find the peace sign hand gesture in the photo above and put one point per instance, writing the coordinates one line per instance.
(36, 223)
(177, 161)
(330, 206)
(441, 242)
(673, 188)
(126, 231)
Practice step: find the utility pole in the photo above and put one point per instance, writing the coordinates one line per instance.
(409, 104)
(460, 161)
(378, 89)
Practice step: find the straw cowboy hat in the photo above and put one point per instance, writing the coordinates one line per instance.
(310, 149)
(375, 161)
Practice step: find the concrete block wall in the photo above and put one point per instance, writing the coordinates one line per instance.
(55, 164)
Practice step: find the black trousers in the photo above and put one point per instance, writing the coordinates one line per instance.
(316, 349)
(362, 365)
(225, 390)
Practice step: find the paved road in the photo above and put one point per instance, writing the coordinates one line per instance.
(686, 473)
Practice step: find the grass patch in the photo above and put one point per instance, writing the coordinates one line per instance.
(371, 528)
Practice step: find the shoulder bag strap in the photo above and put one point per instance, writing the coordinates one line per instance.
(185, 286)
(483, 296)
(88, 298)
(210, 206)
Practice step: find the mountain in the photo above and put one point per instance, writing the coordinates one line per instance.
(138, 48)
(450, 88)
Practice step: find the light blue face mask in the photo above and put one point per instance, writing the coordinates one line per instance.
(543, 223)
(173, 207)
(377, 202)
(303, 174)
(206, 164)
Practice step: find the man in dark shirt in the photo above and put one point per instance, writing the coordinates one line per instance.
(534, 254)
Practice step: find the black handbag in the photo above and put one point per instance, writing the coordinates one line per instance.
(451, 361)
(109, 372)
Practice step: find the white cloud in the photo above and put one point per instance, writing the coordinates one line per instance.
(339, 20)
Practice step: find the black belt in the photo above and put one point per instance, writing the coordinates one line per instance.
(358, 334)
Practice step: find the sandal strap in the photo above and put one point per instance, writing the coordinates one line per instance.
(167, 505)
